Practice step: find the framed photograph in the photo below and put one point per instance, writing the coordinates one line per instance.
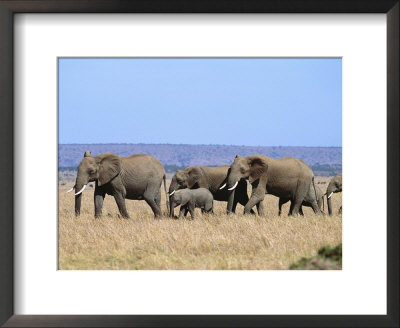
(182, 164)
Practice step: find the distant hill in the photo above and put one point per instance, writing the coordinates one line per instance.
(326, 159)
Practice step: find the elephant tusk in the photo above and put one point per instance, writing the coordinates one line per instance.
(172, 193)
(234, 186)
(223, 186)
(80, 191)
(330, 195)
(71, 189)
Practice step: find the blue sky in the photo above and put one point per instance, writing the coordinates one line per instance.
(240, 101)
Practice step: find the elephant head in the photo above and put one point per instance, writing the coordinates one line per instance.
(175, 200)
(251, 168)
(102, 169)
(186, 178)
(335, 185)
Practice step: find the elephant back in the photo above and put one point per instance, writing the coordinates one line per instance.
(143, 165)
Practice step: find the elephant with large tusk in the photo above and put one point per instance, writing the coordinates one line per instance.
(288, 178)
(213, 179)
(135, 177)
(334, 186)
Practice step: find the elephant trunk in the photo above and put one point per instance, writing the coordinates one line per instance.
(329, 202)
(329, 193)
(172, 188)
(171, 207)
(78, 201)
(231, 197)
(231, 184)
(166, 194)
(80, 184)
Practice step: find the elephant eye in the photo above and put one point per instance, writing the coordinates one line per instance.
(92, 171)
(242, 170)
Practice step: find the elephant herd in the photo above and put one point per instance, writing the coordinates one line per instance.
(139, 177)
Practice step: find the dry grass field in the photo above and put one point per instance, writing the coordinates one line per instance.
(217, 242)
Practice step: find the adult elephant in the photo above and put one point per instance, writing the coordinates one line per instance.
(307, 199)
(287, 177)
(135, 177)
(334, 186)
(211, 178)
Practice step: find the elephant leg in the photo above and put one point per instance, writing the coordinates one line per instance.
(157, 198)
(234, 206)
(301, 210)
(149, 196)
(154, 207)
(302, 190)
(191, 208)
(280, 207)
(98, 203)
(316, 208)
(260, 209)
(120, 200)
(208, 208)
(183, 211)
(254, 200)
(171, 209)
(243, 202)
(291, 207)
(255, 197)
(281, 202)
(236, 200)
(296, 207)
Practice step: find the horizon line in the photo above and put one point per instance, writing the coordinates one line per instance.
(174, 144)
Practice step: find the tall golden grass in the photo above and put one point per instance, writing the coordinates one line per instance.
(217, 241)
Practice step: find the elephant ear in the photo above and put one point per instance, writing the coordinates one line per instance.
(109, 167)
(258, 167)
(194, 176)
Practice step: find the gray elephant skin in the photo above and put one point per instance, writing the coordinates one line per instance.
(211, 178)
(334, 186)
(308, 199)
(189, 199)
(288, 178)
(135, 177)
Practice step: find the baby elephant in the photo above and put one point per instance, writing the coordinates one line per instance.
(189, 199)
(308, 199)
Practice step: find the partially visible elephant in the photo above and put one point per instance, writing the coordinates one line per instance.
(213, 179)
(135, 177)
(307, 200)
(334, 186)
(288, 178)
(189, 199)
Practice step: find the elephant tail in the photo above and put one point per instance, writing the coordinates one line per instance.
(315, 190)
(166, 193)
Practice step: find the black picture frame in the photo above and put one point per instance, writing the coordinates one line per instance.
(10, 7)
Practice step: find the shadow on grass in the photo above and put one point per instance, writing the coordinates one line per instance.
(328, 258)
